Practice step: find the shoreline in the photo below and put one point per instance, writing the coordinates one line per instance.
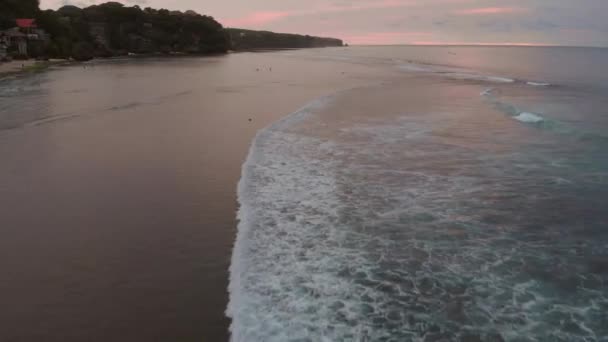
(25, 67)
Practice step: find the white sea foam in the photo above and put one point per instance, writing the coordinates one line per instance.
(454, 73)
(528, 117)
(383, 232)
(289, 251)
(538, 84)
(487, 92)
(478, 77)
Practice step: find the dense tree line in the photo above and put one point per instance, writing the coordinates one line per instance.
(248, 39)
(12, 9)
(112, 28)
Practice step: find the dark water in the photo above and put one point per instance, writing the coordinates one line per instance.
(463, 200)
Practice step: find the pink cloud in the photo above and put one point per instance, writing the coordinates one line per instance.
(257, 19)
(431, 42)
(491, 10)
(364, 6)
(381, 4)
(261, 18)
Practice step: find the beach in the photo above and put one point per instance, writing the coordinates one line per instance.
(14, 66)
(20, 67)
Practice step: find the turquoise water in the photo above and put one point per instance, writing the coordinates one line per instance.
(464, 199)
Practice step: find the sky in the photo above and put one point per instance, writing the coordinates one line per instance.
(382, 22)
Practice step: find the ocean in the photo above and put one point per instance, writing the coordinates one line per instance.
(463, 199)
(413, 194)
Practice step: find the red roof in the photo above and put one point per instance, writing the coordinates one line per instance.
(26, 23)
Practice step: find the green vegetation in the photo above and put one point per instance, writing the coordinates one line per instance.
(248, 39)
(12, 9)
(38, 67)
(112, 29)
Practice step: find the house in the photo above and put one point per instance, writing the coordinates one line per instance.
(17, 40)
(3, 47)
(25, 38)
(3, 52)
(26, 26)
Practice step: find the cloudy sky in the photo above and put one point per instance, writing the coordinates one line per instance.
(544, 22)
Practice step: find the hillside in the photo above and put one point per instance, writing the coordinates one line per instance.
(247, 39)
(111, 29)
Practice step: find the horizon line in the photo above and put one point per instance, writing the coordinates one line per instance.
(488, 45)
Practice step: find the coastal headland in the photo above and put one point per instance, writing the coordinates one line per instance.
(114, 29)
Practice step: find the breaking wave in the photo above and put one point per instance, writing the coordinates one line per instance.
(453, 73)
(372, 216)
(528, 117)
(284, 240)
(463, 74)
(477, 77)
(371, 234)
(538, 84)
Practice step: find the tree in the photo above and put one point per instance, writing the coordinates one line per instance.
(19, 8)
(13, 9)
(70, 11)
(113, 28)
(83, 51)
(6, 21)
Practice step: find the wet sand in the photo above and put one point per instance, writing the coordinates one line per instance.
(8, 69)
(14, 66)
(118, 190)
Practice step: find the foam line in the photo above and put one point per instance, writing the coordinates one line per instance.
(538, 84)
(528, 117)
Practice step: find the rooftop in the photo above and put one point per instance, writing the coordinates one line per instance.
(26, 23)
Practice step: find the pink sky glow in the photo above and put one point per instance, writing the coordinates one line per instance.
(492, 10)
(496, 22)
(256, 19)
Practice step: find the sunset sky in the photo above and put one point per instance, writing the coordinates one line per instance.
(528, 22)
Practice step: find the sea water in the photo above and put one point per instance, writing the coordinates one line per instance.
(465, 199)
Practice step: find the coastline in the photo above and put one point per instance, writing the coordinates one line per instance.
(17, 68)
(24, 67)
